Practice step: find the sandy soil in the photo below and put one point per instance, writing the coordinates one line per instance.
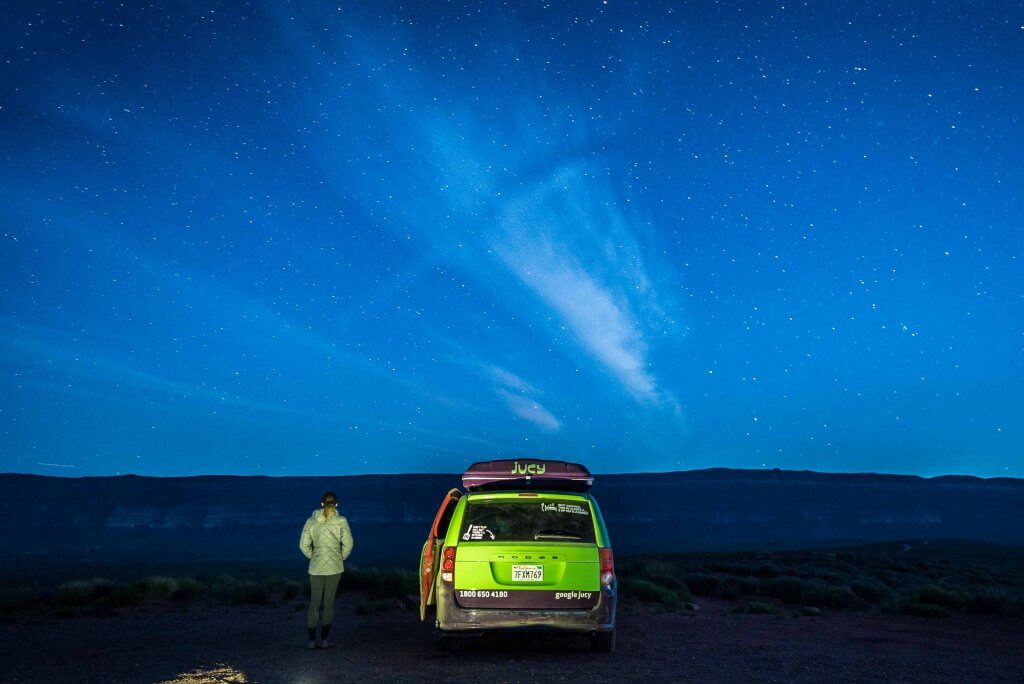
(266, 644)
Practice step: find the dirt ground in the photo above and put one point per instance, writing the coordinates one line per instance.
(266, 644)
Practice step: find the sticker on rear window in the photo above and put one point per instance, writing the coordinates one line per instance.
(564, 508)
(476, 533)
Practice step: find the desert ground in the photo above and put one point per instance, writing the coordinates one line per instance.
(219, 643)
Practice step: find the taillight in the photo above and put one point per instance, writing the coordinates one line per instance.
(448, 564)
(607, 567)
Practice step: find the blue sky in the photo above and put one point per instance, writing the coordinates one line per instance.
(298, 238)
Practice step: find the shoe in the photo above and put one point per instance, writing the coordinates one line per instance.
(312, 645)
(324, 644)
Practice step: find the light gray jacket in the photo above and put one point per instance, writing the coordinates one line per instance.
(326, 543)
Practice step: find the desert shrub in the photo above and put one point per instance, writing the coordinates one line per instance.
(990, 600)
(827, 576)
(738, 569)
(232, 590)
(81, 592)
(936, 595)
(19, 599)
(729, 589)
(768, 570)
(651, 567)
(156, 587)
(997, 601)
(651, 592)
(381, 583)
(188, 588)
(291, 589)
(830, 596)
(758, 608)
(249, 592)
(120, 596)
(702, 584)
(676, 585)
(221, 586)
(274, 582)
(924, 609)
(979, 576)
(786, 589)
(735, 587)
(749, 585)
(870, 590)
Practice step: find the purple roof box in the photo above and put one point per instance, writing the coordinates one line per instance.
(528, 473)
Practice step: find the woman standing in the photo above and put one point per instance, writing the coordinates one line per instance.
(326, 541)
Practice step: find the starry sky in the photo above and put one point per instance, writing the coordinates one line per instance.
(331, 238)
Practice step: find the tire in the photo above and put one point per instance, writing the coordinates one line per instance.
(603, 642)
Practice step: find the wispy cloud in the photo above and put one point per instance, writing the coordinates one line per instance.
(575, 254)
(529, 409)
(520, 398)
(511, 380)
(564, 237)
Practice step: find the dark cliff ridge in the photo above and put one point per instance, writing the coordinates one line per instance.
(232, 518)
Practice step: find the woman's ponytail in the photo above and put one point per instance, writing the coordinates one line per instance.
(329, 502)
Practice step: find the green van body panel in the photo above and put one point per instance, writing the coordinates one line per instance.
(488, 564)
(570, 568)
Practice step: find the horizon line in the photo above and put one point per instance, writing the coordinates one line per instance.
(459, 475)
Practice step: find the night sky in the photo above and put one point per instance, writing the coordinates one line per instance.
(333, 238)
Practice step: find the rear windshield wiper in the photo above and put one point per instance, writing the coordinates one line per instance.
(557, 534)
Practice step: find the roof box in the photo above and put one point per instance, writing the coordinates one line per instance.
(528, 474)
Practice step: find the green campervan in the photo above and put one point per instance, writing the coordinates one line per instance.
(524, 547)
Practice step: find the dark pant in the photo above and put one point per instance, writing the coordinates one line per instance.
(321, 600)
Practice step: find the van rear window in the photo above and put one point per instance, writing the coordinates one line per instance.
(527, 521)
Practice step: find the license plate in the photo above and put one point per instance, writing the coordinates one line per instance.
(527, 573)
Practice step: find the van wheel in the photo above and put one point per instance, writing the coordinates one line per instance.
(603, 642)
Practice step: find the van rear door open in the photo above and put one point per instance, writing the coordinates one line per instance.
(432, 547)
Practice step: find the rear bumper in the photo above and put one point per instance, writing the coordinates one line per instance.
(453, 618)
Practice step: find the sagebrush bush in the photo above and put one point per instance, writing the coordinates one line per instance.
(702, 584)
(156, 587)
(727, 568)
(786, 589)
(652, 567)
(666, 580)
(120, 596)
(381, 583)
(830, 596)
(19, 599)
(936, 595)
(249, 592)
(81, 592)
(291, 589)
(188, 588)
(221, 586)
(871, 590)
(729, 589)
(768, 570)
(651, 592)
